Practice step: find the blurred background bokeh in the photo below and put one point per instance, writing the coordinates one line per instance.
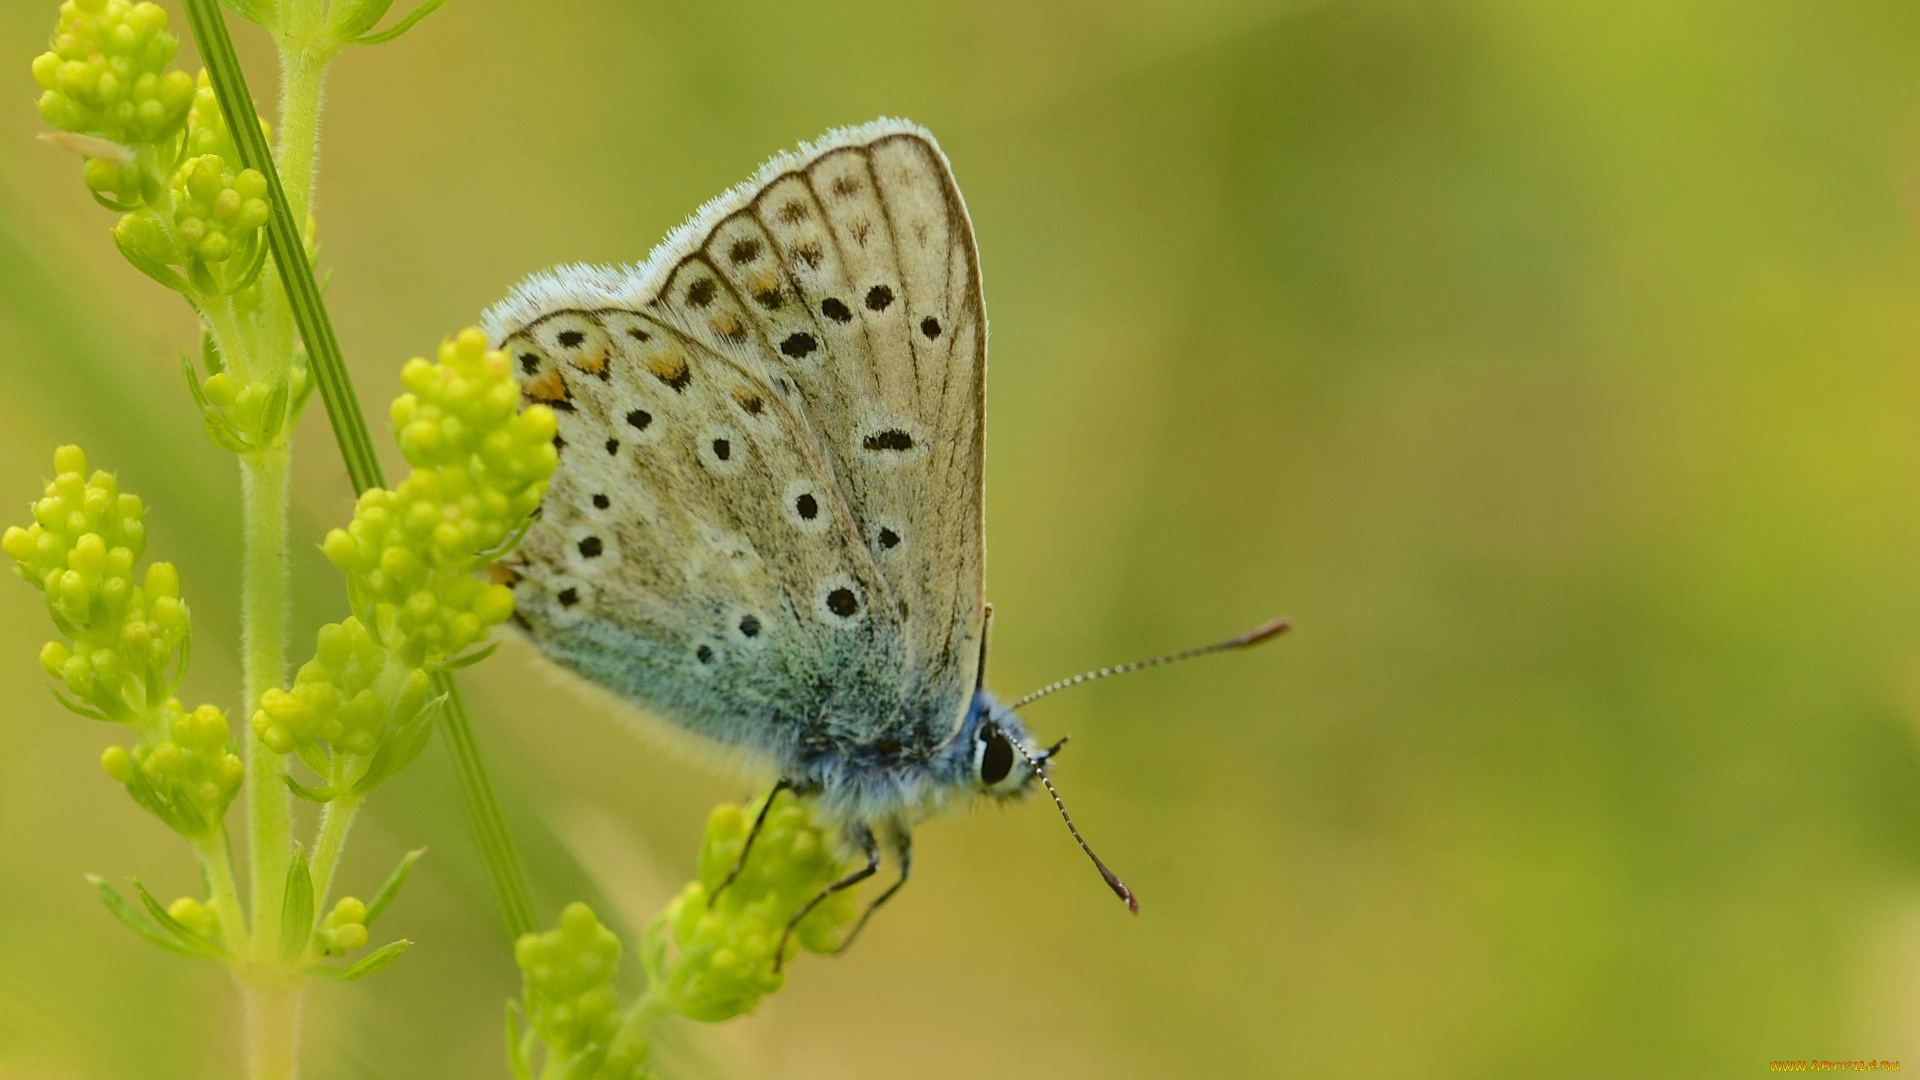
(1556, 366)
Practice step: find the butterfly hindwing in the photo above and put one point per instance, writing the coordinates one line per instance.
(766, 521)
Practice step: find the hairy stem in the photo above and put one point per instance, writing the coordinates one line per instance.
(263, 477)
(335, 821)
(217, 857)
(303, 74)
(273, 1029)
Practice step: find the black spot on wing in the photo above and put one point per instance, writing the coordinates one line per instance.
(891, 439)
(798, 345)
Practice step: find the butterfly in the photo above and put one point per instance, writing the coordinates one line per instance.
(766, 525)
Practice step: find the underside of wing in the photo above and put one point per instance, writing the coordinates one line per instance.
(782, 402)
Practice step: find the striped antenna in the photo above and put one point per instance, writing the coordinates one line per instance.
(1254, 636)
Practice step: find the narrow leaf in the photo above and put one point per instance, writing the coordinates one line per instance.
(391, 887)
(133, 920)
(346, 21)
(172, 926)
(78, 709)
(378, 959)
(296, 911)
(407, 23)
(310, 794)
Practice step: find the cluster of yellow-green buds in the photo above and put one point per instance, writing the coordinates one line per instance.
(157, 149)
(124, 638)
(356, 714)
(108, 73)
(705, 959)
(192, 217)
(570, 1008)
(480, 467)
(711, 959)
(362, 708)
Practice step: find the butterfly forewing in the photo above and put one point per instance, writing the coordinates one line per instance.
(767, 516)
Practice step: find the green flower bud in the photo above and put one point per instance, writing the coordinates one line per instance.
(567, 975)
(218, 212)
(80, 551)
(353, 700)
(207, 131)
(119, 182)
(107, 73)
(344, 929)
(722, 954)
(189, 776)
(196, 916)
(480, 468)
(117, 763)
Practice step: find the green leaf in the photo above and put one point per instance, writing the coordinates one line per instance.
(249, 273)
(158, 271)
(78, 709)
(274, 416)
(173, 927)
(320, 795)
(467, 659)
(182, 817)
(134, 921)
(380, 958)
(259, 11)
(398, 749)
(348, 19)
(116, 205)
(296, 910)
(391, 887)
(411, 20)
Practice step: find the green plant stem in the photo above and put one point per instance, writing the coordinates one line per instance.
(273, 1028)
(217, 857)
(224, 325)
(483, 813)
(303, 75)
(264, 573)
(335, 821)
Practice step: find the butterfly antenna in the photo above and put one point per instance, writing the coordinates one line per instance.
(1252, 637)
(1119, 887)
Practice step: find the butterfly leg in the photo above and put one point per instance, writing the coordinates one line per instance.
(873, 865)
(759, 819)
(903, 846)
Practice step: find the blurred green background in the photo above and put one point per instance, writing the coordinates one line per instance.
(1554, 365)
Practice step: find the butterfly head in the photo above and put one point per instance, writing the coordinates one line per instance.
(999, 756)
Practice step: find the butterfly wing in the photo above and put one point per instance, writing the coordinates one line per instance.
(774, 425)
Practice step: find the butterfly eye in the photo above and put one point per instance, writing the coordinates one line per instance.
(994, 757)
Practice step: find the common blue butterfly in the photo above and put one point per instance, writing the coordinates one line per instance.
(766, 523)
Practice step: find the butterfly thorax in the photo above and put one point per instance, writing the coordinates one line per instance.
(881, 779)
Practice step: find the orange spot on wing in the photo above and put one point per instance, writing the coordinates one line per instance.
(593, 363)
(667, 366)
(548, 388)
